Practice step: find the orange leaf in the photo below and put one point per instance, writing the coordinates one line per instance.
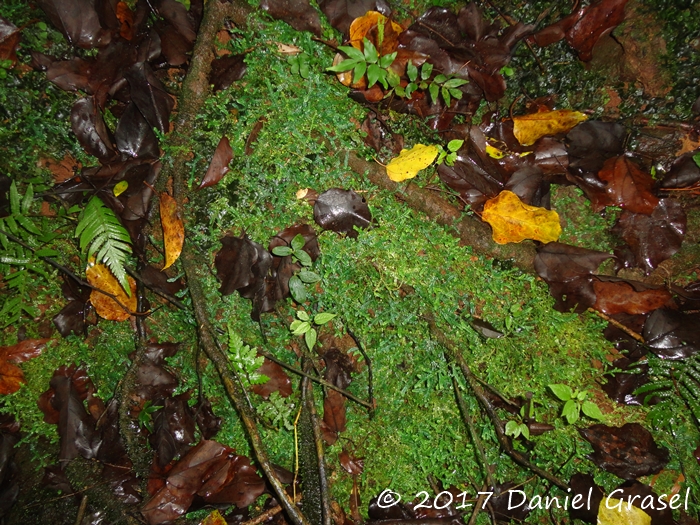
(514, 221)
(173, 229)
(98, 275)
(528, 128)
(11, 376)
(367, 24)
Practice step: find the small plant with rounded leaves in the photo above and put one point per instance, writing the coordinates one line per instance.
(440, 85)
(367, 62)
(304, 325)
(575, 402)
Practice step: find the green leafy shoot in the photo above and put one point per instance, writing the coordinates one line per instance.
(304, 325)
(440, 86)
(146, 415)
(449, 156)
(575, 402)
(102, 235)
(244, 360)
(298, 281)
(369, 62)
(278, 411)
(515, 429)
(696, 158)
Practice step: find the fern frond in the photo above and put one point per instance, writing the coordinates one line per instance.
(245, 360)
(102, 235)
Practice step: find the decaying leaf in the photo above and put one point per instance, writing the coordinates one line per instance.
(218, 167)
(173, 229)
(410, 162)
(620, 296)
(628, 451)
(341, 210)
(671, 334)
(11, 376)
(529, 128)
(628, 187)
(514, 221)
(99, 276)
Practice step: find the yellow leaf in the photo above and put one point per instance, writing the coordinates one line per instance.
(99, 276)
(362, 25)
(120, 187)
(528, 128)
(514, 221)
(173, 229)
(215, 518)
(494, 152)
(410, 162)
(613, 511)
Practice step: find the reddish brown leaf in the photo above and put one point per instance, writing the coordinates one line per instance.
(618, 296)
(226, 70)
(9, 38)
(134, 136)
(341, 211)
(11, 376)
(628, 451)
(241, 264)
(653, 238)
(593, 22)
(334, 415)
(218, 167)
(150, 96)
(173, 429)
(341, 13)
(671, 334)
(207, 422)
(354, 466)
(278, 380)
(77, 20)
(90, 129)
(297, 13)
(627, 187)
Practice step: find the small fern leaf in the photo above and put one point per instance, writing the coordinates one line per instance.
(102, 235)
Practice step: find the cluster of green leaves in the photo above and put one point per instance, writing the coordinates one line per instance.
(305, 276)
(575, 402)
(102, 235)
(449, 156)
(278, 411)
(368, 62)
(17, 263)
(146, 415)
(244, 360)
(299, 64)
(441, 85)
(304, 325)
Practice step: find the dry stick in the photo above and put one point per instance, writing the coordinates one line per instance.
(456, 356)
(472, 430)
(617, 324)
(269, 513)
(81, 510)
(195, 90)
(370, 387)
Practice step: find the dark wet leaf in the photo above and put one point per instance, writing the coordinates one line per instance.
(150, 96)
(529, 185)
(173, 429)
(568, 272)
(653, 238)
(134, 136)
(76, 428)
(77, 20)
(207, 422)
(9, 38)
(175, 47)
(55, 478)
(226, 70)
(507, 504)
(386, 509)
(588, 494)
(622, 183)
(339, 368)
(621, 386)
(485, 328)
(341, 210)
(379, 137)
(341, 13)
(218, 167)
(352, 465)
(90, 129)
(614, 296)
(671, 334)
(334, 416)
(297, 13)
(593, 142)
(628, 451)
(278, 380)
(592, 22)
(69, 75)
(209, 470)
(175, 13)
(253, 137)
(241, 264)
(83, 384)
(154, 278)
(684, 172)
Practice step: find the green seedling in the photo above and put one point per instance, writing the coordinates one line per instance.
(440, 85)
(575, 402)
(299, 64)
(305, 276)
(367, 62)
(304, 325)
(146, 415)
(450, 155)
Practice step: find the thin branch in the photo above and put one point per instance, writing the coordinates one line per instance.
(617, 324)
(370, 387)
